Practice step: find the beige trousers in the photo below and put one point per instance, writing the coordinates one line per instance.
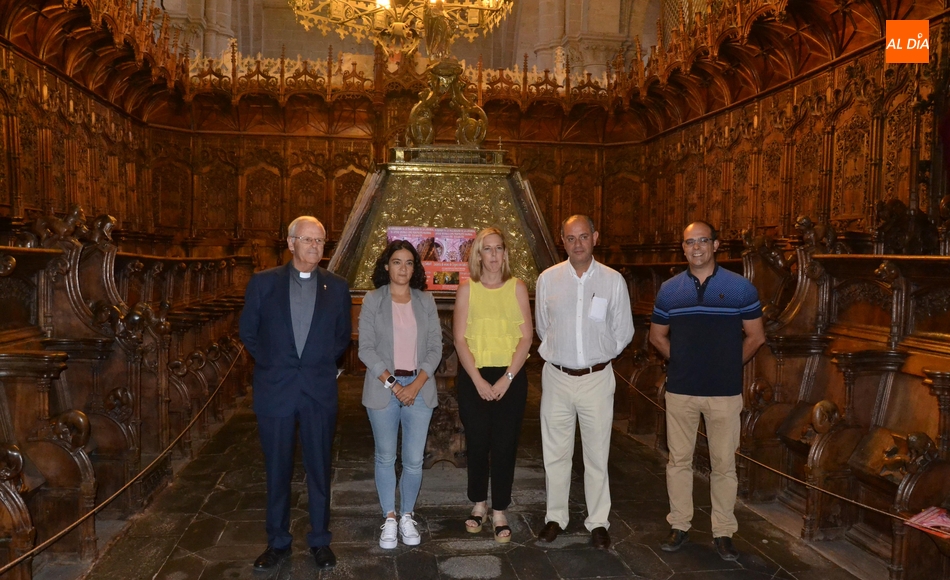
(722, 416)
(566, 401)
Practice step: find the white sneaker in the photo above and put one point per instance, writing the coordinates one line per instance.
(408, 531)
(387, 539)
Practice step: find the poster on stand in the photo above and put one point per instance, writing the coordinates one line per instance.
(444, 252)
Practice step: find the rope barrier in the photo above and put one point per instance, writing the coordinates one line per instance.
(772, 469)
(138, 476)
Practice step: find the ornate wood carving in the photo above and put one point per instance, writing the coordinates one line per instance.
(262, 192)
(829, 145)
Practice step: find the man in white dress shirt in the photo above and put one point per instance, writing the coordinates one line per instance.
(584, 320)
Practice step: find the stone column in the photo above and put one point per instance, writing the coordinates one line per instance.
(589, 31)
(550, 31)
(217, 26)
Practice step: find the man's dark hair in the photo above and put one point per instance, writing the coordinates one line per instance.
(714, 233)
(381, 275)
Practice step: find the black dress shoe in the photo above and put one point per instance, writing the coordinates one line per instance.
(674, 541)
(599, 538)
(725, 548)
(270, 558)
(323, 557)
(550, 532)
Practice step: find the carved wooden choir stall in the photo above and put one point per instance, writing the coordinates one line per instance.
(105, 357)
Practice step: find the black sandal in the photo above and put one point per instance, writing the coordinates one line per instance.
(501, 529)
(478, 519)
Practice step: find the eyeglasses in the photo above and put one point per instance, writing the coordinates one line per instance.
(701, 242)
(583, 238)
(309, 241)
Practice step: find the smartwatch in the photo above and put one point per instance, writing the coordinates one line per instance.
(389, 382)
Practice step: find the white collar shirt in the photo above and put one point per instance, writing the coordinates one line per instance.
(582, 321)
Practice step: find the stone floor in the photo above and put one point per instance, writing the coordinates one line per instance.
(210, 523)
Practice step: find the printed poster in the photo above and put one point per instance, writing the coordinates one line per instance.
(444, 252)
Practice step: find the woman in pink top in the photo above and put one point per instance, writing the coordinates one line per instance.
(401, 346)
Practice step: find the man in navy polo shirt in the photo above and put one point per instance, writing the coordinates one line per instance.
(708, 322)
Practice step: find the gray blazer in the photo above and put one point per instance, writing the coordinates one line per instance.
(376, 344)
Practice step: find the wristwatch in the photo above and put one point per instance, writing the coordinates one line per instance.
(510, 376)
(389, 382)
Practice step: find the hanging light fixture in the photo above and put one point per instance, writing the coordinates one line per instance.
(399, 25)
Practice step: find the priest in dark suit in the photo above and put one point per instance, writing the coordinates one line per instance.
(296, 324)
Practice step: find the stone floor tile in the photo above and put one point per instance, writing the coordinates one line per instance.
(222, 501)
(643, 560)
(232, 570)
(477, 567)
(134, 558)
(182, 565)
(480, 544)
(531, 563)
(243, 532)
(589, 563)
(180, 498)
(159, 523)
(416, 565)
(721, 575)
(255, 500)
(203, 468)
(245, 552)
(202, 534)
(250, 476)
(247, 515)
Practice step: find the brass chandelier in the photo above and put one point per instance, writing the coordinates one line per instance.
(398, 25)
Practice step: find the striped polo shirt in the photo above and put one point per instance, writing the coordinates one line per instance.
(706, 335)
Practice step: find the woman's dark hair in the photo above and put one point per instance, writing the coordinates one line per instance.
(381, 275)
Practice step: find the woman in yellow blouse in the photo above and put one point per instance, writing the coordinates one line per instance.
(492, 336)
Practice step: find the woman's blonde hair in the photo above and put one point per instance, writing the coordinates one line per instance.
(475, 257)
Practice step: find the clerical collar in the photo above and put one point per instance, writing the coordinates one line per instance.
(302, 275)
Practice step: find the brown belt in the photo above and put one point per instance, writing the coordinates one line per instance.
(403, 373)
(582, 372)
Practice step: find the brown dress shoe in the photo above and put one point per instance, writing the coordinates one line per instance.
(550, 532)
(599, 538)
